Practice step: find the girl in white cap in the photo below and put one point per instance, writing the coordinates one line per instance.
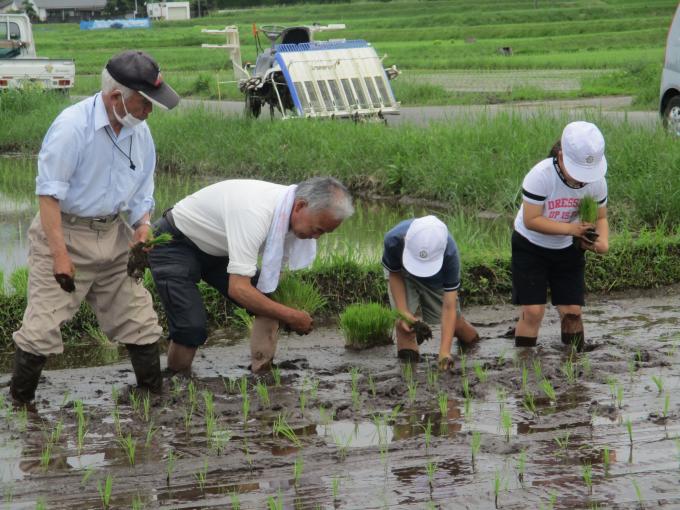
(549, 240)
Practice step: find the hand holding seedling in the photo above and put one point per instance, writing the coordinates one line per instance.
(445, 362)
(301, 322)
(138, 261)
(405, 321)
(584, 231)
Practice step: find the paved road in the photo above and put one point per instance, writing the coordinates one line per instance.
(610, 107)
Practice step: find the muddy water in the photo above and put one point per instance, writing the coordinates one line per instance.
(383, 447)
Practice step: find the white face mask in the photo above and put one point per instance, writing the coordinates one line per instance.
(129, 120)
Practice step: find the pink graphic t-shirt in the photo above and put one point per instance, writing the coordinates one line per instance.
(544, 186)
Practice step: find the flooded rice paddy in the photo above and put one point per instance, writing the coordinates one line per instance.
(508, 428)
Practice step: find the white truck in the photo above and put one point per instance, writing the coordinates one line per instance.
(19, 64)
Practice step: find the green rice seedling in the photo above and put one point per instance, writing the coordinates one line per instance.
(81, 423)
(354, 376)
(587, 209)
(466, 387)
(366, 325)
(563, 442)
(209, 415)
(129, 446)
(67, 396)
(521, 466)
(115, 415)
(569, 370)
(443, 400)
(658, 380)
(314, 387)
(475, 445)
(55, 435)
(170, 466)
(501, 358)
(525, 378)
(188, 419)
(45, 456)
(335, 487)
(40, 504)
(481, 373)
(412, 388)
(300, 295)
(298, 466)
(219, 440)
(342, 445)
(230, 385)
(202, 475)
(629, 428)
(501, 396)
(176, 389)
(244, 319)
(548, 389)
(245, 408)
(666, 405)
(606, 459)
(619, 396)
(193, 401)
(380, 422)
(431, 470)
(281, 428)
(275, 503)
(146, 406)
(22, 419)
(467, 408)
(263, 394)
(150, 433)
(529, 403)
(303, 401)
(638, 493)
(325, 416)
(427, 429)
(89, 471)
(463, 365)
(137, 503)
(134, 401)
(276, 374)
(612, 383)
(587, 474)
(371, 385)
(506, 423)
(587, 365)
(432, 377)
(105, 491)
(497, 481)
(235, 500)
(632, 368)
(538, 369)
(407, 372)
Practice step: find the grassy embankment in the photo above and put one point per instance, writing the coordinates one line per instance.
(626, 39)
(471, 166)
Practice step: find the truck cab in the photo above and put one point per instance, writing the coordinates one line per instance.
(669, 102)
(19, 64)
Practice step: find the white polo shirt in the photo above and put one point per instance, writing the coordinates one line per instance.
(230, 218)
(543, 186)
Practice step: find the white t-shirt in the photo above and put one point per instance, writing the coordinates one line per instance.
(230, 218)
(544, 186)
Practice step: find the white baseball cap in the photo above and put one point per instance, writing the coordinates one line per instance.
(424, 246)
(583, 151)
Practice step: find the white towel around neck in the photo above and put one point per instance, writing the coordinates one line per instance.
(296, 253)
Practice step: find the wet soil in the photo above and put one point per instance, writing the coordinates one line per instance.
(393, 442)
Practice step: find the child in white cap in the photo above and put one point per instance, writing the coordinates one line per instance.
(423, 268)
(549, 240)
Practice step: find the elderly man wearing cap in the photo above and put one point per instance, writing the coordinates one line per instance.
(423, 269)
(543, 249)
(96, 163)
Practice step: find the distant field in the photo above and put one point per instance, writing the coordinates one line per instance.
(625, 39)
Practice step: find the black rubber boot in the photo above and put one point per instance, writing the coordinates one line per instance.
(525, 341)
(27, 370)
(572, 331)
(146, 363)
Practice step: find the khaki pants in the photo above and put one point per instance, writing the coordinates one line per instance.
(123, 307)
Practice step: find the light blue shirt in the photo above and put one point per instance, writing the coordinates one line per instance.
(80, 165)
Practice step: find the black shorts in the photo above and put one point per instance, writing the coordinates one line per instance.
(177, 267)
(534, 268)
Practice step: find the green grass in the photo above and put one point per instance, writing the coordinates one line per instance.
(366, 325)
(462, 34)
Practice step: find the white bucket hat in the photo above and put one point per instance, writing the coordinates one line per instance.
(424, 246)
(583, 151)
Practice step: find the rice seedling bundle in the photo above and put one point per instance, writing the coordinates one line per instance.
(366, 325)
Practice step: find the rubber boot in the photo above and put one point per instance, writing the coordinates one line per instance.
(146, 363)
(263, 340)
(525, 341)
(572, 331)
(27, 370)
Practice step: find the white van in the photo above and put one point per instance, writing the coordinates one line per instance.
(669, 105)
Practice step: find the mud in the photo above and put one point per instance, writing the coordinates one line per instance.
(391, 444)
